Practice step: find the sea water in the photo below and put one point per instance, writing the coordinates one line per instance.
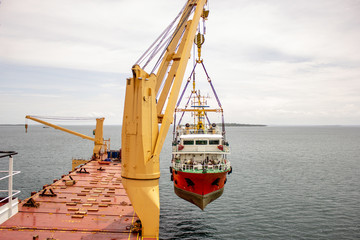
(287, 182)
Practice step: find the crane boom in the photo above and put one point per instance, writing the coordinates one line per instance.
(142, 140)
(98, 139)
(60, 128)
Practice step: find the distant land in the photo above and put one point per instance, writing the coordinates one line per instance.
(12, 124)
(226, 124)
(244, 125)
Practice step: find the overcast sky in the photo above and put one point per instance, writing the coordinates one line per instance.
(272, 61)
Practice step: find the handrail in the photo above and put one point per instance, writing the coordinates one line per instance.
(221, 166)
(182, 130)
(10, 175)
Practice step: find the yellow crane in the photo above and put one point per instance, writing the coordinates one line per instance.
(100, 145)
(147, 94)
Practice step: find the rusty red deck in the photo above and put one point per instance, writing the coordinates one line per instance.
(95, 207)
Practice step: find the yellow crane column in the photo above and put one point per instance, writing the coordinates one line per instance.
(141, 139)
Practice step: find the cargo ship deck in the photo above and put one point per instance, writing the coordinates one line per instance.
(88, 203)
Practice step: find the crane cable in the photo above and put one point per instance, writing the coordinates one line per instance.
(163, 41)
(188, 13)
(160, 38)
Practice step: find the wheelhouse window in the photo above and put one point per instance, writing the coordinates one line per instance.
(214, 142)
(201, 142)
(188, 142)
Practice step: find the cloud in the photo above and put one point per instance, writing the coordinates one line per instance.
(59, 92)
(272, 62)
(81, 34)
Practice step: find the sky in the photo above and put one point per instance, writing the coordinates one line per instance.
(273, 62)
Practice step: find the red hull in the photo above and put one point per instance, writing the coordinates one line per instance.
(199, 188)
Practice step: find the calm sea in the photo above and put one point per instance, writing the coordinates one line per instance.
(287, 182)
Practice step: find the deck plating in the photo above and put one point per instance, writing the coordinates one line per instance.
(94, 207)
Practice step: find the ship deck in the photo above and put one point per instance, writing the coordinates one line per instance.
(95, 207)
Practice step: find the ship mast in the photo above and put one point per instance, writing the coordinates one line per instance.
(199, 103)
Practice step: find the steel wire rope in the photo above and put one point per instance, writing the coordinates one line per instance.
(157, 50)
(157, 65)
(151, 51)
(162, 35)
(188, 12)
(180, 24)
(148, 51)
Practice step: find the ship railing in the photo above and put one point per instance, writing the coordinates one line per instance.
(228, 165)
(8, 204)
(185, 131)
(199, 167)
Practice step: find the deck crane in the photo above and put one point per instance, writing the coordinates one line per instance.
(100, 145)
(150, 101)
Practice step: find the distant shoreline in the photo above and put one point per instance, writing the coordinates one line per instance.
(12, 125)
(226, 124)
(244, 125)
